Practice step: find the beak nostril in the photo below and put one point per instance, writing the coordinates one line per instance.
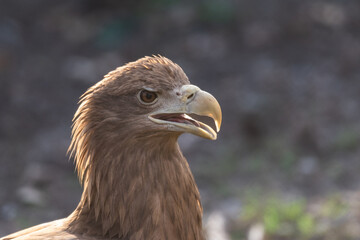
(188, 93)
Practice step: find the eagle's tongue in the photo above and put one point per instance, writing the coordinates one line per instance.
(182, 118)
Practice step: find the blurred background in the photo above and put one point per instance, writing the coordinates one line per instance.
(286, 73)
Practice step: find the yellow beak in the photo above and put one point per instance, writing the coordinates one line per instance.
(190, 100)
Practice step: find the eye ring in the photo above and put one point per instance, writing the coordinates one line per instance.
(147, 97)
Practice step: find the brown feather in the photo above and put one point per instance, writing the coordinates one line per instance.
(137, 184)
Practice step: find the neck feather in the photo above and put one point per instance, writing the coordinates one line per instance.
(145, 190)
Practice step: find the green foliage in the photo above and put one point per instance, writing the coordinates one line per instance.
(294, 210)
(305, 224)
(280, 218)
(251, 210)
(333, 207)
(293, 219)
(272, 219)
(288, 218)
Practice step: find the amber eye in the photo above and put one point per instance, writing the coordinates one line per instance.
(147, 97)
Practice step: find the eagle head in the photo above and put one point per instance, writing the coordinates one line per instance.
(151, 97)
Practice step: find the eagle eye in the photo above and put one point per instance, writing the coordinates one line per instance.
(147, 97)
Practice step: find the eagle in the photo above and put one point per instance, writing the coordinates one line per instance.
(136, 182)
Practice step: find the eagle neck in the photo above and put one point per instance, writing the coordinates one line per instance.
(141, 190)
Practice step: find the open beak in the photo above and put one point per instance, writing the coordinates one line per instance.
(191, 100)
